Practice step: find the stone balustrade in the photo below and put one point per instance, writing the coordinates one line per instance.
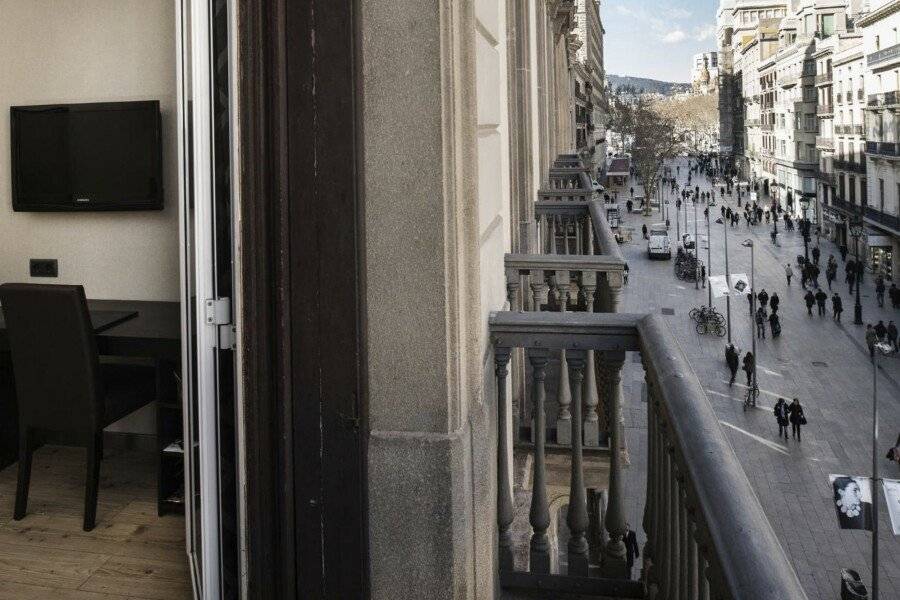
(707, 535)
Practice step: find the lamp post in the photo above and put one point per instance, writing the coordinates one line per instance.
(880, 348)
(708, 258)
(753, 387)
(696, 250)
(856, 230)
(727, 281)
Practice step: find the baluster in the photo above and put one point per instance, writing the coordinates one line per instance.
(564, 401)
(505, 511)
(565, 227)
(675, 556)
(541, 234)
(614, 558)
(539, 289)
(648, 518)
(683, 538)
(579, 231)
(703, 581)
(513, 286)
(562, 287)
(591, 399)
(539, 515)
(691, 572)
(577, 517)
(552, 223)
(669, 531)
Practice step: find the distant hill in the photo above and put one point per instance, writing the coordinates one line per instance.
(647, 85)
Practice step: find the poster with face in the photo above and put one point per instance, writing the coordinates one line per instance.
(739, 283)
(852, 501)
(892, 495)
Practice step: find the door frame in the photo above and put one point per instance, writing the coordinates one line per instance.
(281, 197)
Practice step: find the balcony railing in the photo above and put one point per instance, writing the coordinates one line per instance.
(839, 129)
(707, 534)
(852, 167)
(883, 149)
(767, 126)
(884, 55)
(826, 178)
(882, 218)
(824, 110)
(826, 143)
(823, 78)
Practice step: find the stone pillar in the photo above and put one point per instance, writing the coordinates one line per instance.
(614, 556)
(577, 517)
(591, 399)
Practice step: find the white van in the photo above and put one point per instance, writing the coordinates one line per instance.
(658, 244)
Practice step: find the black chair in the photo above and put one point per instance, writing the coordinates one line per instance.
(61, 385)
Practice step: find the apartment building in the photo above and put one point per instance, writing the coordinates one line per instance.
(881, 45)
(589, 78)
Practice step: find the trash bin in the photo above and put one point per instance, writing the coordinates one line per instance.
(851, 587)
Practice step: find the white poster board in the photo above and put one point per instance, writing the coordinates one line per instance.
(892, 496)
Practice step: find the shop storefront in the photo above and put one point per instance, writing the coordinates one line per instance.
(880, 255)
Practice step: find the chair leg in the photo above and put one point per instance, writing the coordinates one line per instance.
(25, 452)
(92, 480)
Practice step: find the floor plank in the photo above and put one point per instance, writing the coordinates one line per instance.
(141, 578)
(54, 568)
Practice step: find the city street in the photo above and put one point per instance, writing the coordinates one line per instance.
(823, 363)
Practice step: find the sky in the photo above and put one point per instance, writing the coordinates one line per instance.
(657, 39)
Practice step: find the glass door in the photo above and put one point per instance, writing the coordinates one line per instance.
(207, 250)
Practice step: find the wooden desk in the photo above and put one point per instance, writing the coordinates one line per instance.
(154, 333)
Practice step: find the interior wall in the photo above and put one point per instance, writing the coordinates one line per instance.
(66, 51)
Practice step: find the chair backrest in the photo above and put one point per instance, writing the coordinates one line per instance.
(54, 356)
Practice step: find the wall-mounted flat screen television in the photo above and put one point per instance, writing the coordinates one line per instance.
(84, 157)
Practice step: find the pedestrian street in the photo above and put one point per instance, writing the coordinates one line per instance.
(823, 363)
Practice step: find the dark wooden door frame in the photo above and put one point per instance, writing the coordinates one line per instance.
(302, 290)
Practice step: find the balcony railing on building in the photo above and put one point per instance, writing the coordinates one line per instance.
(883, 55)
(885, 99)
(826, 178)
(883, 149)
(707, 534)
(882, 218)
(824, 110)
(825, 143)
(850, 166)
(823, 78)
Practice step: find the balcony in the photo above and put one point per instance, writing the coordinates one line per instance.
(707, 534)
(824, 110)
(823, 78)
(851, 167)
(767, 126)
(788, 81)
(839, 130)
(881, 218)
(884, 55)
(826, 178)
(825, 143)
(883, 149)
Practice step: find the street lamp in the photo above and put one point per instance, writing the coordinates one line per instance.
(880, 348)
(856, 231)
(696, 250)
(754, 387)
(728, 281)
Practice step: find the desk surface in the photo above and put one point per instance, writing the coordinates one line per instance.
(155, 332)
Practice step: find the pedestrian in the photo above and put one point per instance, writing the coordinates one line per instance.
(774, 301)
(632, 191)
(703, 275)
(763, 298)
(732, 359)
(796, 417)
(810, 300)
(788, 272)
(816, 254)
(821, 297)
(625, 274)
(894, 294)
(879, 290)
(644, 230)
(775, 324)
(843, 250)
(761, 323)
(830, 274)
(629, 205)
(892, 335)
(870, 341)
(750, 301)
(880, 331)
(748, 367)
(814, 275)
(837, 307)
(781, 417)
(851, 279)
(631, 549)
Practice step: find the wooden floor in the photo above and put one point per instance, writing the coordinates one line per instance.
(130, 554)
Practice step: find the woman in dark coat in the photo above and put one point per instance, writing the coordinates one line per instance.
(781, 416)
(796, 418)
(748, 367)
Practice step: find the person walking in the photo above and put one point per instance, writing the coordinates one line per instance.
(830, 274)
(632, 192)
(750, 301)
(816, 254)
(880, 331)
(851, 279)
(788, 272)
(763, 298)
(703, 275)
(810, 300)
(843, 250)
(879, 290)
(644, 230)
(870, 341)
(629, 205)
(775, 324)
(761, 323)
(731, 359)
(748, 367)
(814, 274)
(796, 417)
(837, 307)
(631, 549)
(892, 335)
(774, 301)
(894, 295)
(821, 297)
(781, 417)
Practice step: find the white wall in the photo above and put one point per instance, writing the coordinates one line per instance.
(60, 51)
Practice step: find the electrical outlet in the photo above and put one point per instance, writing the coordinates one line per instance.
(44, 267)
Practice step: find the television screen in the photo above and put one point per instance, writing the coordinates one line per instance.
(87, 157)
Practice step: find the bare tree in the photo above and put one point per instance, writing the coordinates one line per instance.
(695, 116)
